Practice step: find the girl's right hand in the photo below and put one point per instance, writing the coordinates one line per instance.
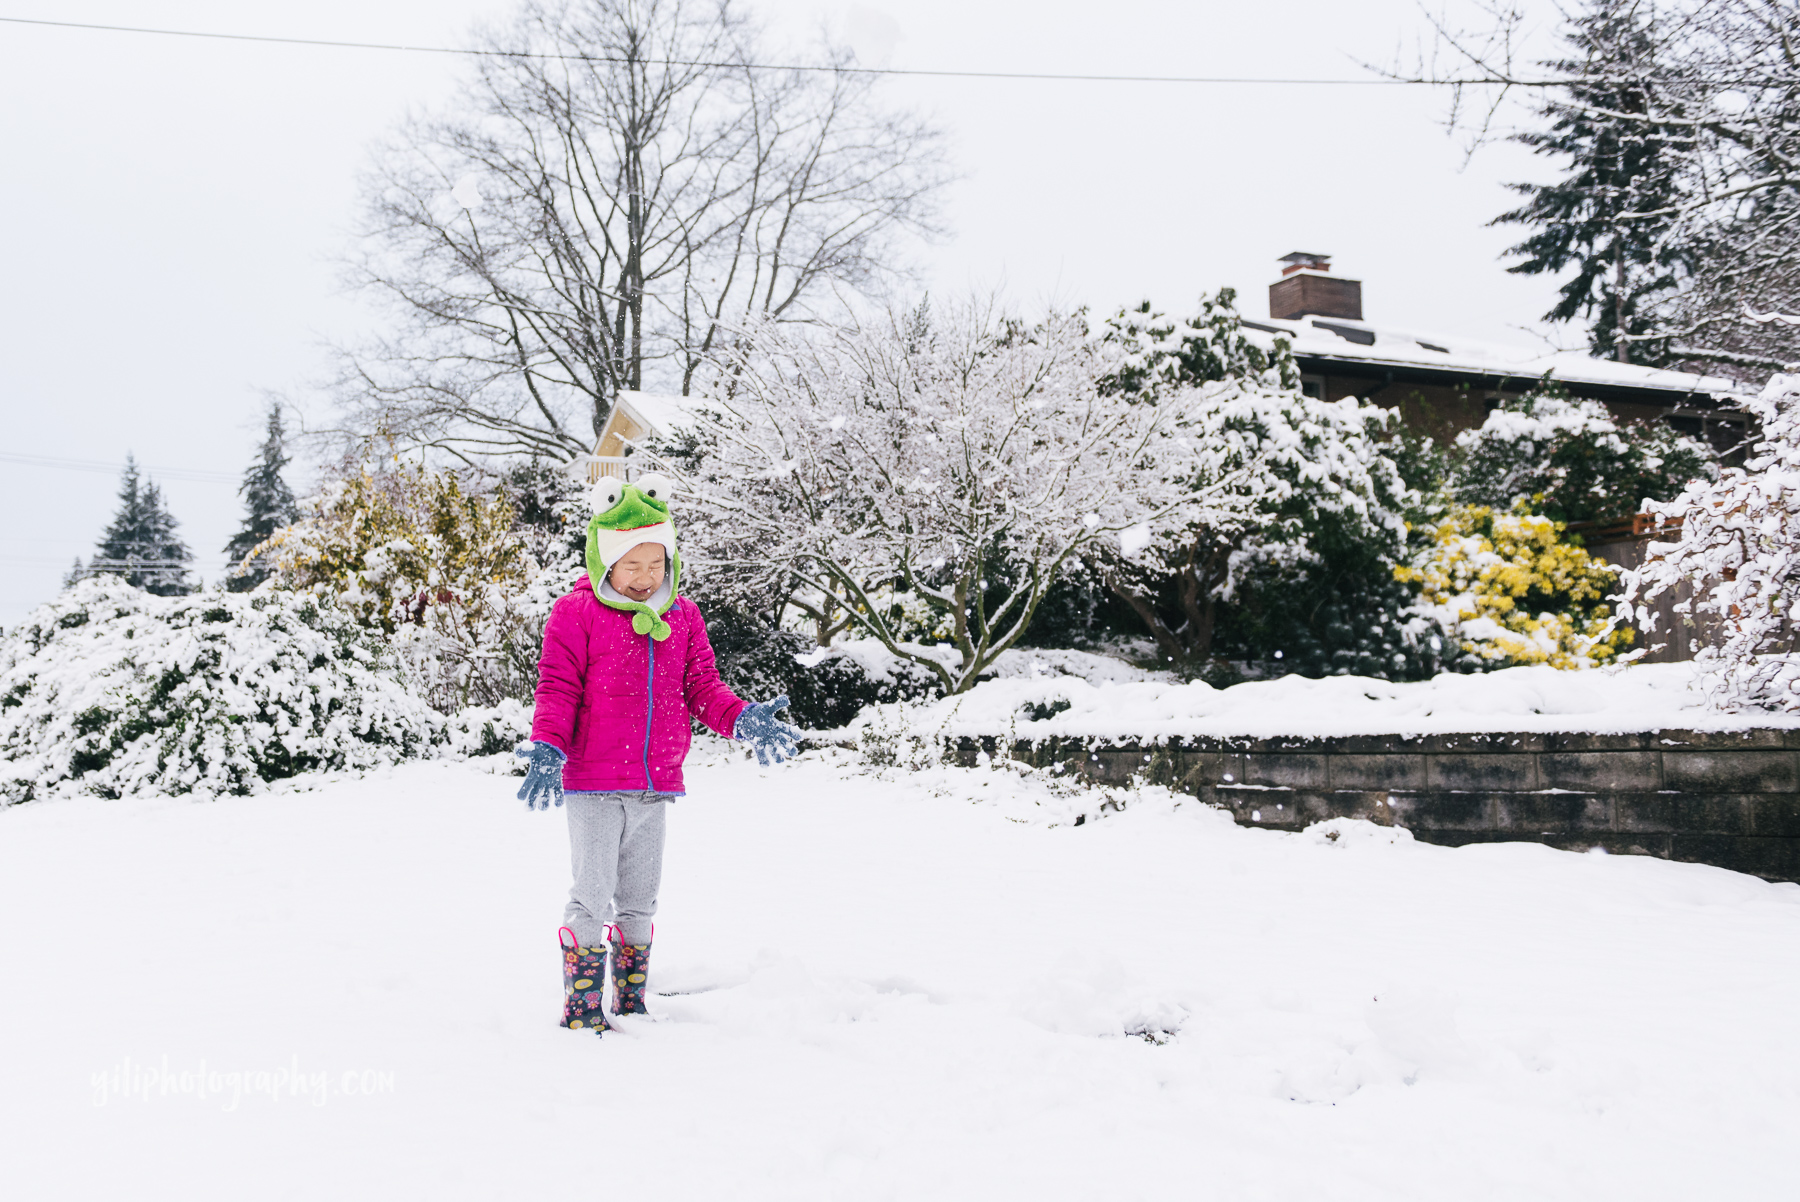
(543, 777)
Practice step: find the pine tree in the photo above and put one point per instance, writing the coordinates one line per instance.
(268, 506)
(1616, 166)
(141, 544)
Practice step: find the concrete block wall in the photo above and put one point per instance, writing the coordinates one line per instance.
(1729, 799)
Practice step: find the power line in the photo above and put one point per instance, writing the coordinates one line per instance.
(1500, 80)
(606, 58)
(93, 465)
(208, 563)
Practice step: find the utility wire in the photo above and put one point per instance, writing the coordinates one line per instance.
(93, 465)
(204, 564)
(606, 58)
(1489, 80)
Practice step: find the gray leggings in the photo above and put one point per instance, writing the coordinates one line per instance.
(616, 845)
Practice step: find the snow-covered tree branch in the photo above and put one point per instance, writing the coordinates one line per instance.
(1735, 553)
(957, 461)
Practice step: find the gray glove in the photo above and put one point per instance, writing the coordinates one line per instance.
(543, 778)
(767, 734)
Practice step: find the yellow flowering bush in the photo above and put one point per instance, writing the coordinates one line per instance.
(438, 570)
(1513, 592)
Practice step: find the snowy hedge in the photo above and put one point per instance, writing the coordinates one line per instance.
(1573, 459)
(110, 690)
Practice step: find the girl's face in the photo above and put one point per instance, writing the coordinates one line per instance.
(639, 572)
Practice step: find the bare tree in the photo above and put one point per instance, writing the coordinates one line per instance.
(1718, 84)
(625, 181)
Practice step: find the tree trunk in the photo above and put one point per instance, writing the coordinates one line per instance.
(1165, 638)
(1621, 348)
(1195, 591)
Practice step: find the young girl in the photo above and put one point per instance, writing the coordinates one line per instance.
(625, 663)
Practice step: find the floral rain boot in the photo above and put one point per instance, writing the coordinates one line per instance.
(630, 972)
(584, 984)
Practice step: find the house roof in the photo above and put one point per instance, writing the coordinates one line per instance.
(1363, 348)
(663, 414)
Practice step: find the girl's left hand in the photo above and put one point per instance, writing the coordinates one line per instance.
(767, 734)
(543, 779)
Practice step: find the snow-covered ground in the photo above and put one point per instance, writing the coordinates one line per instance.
(870, 989)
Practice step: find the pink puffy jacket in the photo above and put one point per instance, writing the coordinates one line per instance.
(617, 703)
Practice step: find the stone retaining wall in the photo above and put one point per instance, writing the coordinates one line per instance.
(1730, 799)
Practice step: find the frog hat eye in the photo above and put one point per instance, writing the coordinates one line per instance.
(656, 487)
(606, 494)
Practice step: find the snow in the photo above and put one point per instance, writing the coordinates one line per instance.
(1530, 699)
(1551, 419)
(467, 192)
(878, 989)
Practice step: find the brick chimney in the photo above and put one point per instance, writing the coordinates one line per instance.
(1307, 287)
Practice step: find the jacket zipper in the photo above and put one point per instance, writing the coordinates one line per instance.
(649, 711)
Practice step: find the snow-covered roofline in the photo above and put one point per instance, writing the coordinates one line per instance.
(1364, 344)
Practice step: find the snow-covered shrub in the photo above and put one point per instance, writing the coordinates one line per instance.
(550, 514)
(440, 571)
(1573, 459)
(1299, 570)
(487, 729)
(1346, 617)
(1511, 591)
(110, 690)
(890, 739)
(1736, 546)
(921, 456)
(826, 687)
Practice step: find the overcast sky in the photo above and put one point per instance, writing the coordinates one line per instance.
(172, 206)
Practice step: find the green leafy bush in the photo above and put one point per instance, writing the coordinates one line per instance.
(1573, 460)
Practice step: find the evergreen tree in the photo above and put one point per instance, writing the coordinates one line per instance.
(268, 506)
(1307, 585)
(1615, 166)
(141, 544)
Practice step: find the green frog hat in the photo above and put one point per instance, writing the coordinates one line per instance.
(626, 516)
